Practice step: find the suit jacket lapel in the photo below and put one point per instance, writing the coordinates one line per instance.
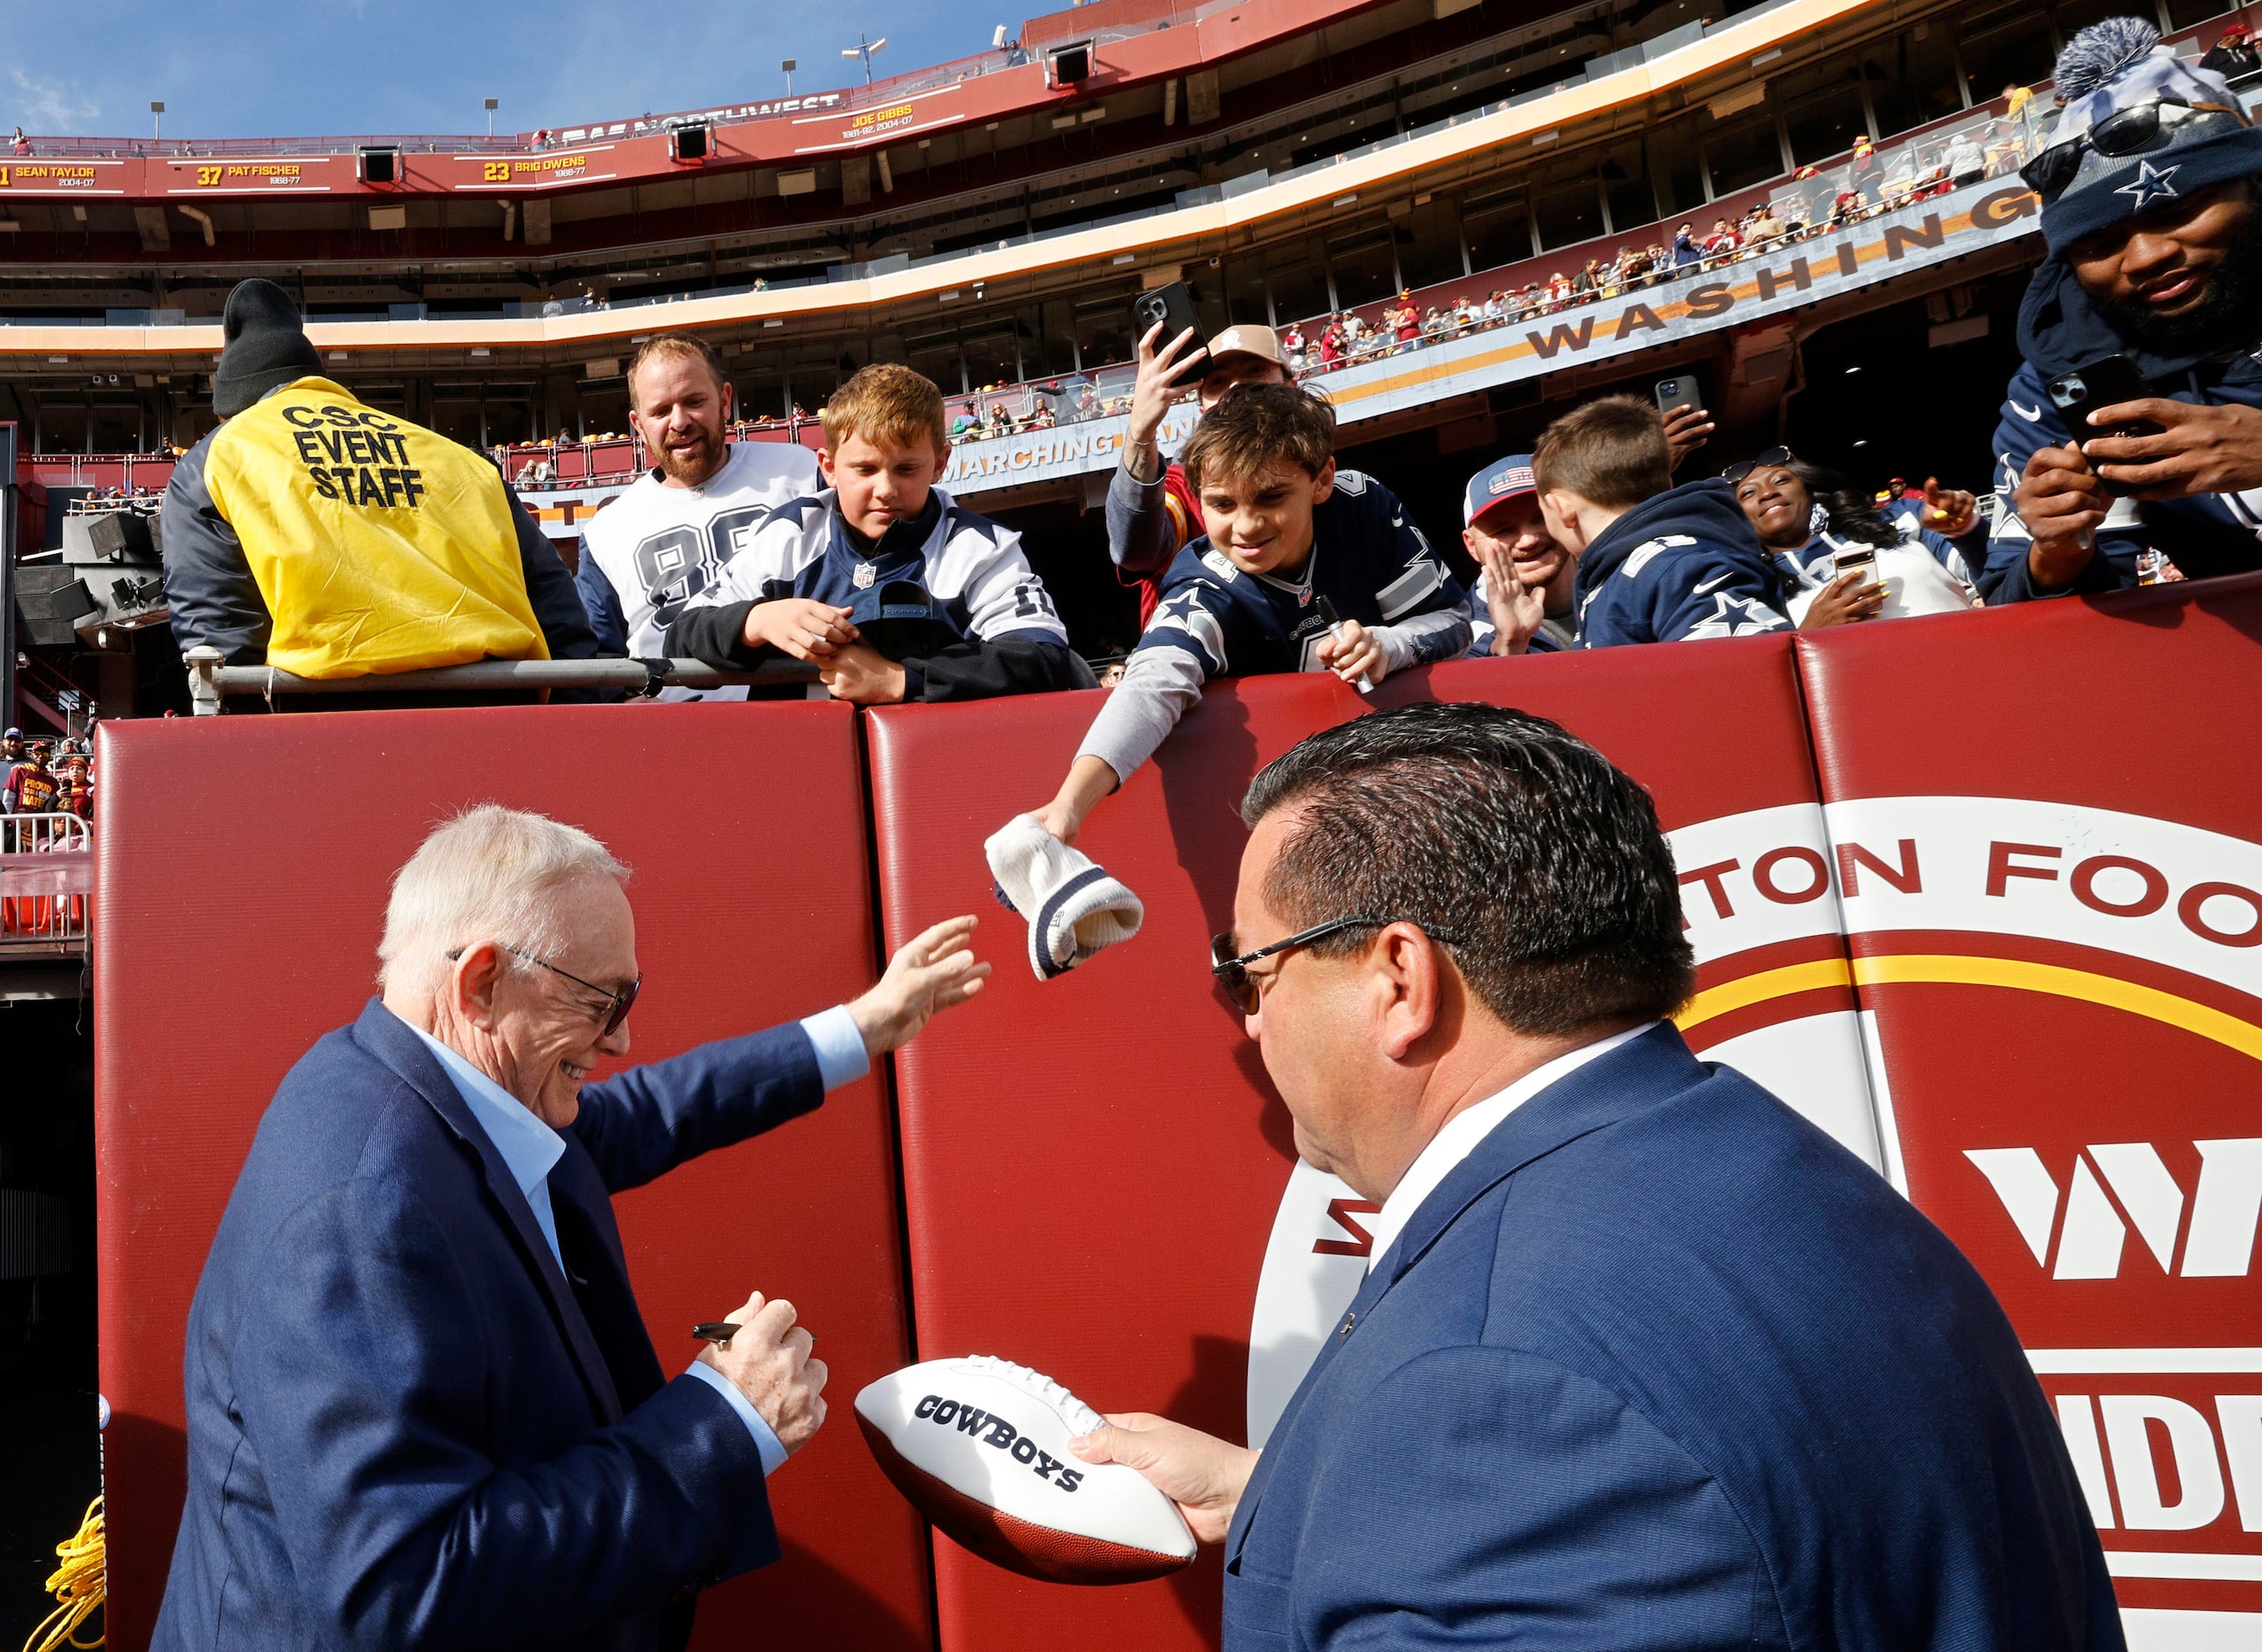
(386, 1037)
(1635, 1075)
(589, 1234)
(1370, 1292)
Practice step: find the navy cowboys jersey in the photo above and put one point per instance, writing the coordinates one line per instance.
(973, 567)
(1368, 559)
(657, 547)
(2204, 534)
(1682, 567)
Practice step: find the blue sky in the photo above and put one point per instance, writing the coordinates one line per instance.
(336, 67)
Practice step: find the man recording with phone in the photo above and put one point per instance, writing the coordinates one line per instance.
(2135, 423)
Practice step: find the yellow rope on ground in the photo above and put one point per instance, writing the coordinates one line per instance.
(77, 1586)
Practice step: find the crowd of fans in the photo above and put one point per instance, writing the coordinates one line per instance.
(42, 777)
(855, 566)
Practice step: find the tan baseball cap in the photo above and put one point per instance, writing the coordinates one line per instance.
(1247, 341)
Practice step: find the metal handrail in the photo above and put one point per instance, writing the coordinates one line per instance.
(210, 681)
(48, 831)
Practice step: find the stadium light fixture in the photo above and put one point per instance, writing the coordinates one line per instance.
(490, 116)
(789, 65)
(863, 49)
(156, 121)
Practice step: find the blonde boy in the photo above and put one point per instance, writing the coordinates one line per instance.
(892, 590)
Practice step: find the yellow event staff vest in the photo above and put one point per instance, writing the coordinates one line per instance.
(379, 545)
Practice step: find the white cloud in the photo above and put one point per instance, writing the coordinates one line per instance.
(42, 103)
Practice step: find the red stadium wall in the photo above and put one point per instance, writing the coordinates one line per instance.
(790, 133)
(1096, 1174)
(250, 859)
(2068, 996)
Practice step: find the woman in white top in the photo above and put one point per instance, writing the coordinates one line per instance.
(1809, 518)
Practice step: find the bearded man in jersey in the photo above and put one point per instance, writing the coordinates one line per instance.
(2152, 207)
(672, 535)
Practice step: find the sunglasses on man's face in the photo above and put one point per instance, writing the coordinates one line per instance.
(1759, 461)
(620, 1003)
(1243, 988)
(2124, 132)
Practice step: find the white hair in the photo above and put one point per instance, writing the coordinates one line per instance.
(490, 874)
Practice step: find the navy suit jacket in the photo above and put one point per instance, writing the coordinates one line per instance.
(406, 1426)
(1661, 1365)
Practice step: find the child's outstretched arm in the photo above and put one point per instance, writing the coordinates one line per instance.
(1184, 648)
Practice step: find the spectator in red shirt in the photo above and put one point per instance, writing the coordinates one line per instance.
(1152, 515)
(1408, 322)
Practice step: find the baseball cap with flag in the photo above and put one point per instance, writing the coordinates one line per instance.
(1496, 484)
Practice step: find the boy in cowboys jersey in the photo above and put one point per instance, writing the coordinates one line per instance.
(1253, 596)
(890, 587)
(669, 537)
(1657, 563)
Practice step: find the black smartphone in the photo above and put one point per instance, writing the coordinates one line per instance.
(2103, 383)
(1683, 392)
(1173, 306)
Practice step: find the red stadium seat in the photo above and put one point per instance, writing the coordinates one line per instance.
(249, 859)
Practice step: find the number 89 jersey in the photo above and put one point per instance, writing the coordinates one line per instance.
(658, 546)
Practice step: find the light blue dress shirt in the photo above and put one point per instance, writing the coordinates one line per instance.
(531, 1151)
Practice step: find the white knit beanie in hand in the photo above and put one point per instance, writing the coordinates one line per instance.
(1074, 909)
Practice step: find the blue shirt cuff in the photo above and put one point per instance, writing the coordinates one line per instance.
(839, 1046)
(765, 1437)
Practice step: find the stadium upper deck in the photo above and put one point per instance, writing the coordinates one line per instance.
(1290, 156)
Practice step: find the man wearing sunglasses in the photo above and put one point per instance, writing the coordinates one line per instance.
(1643, 1359)
(423, 1410)
(2153, 216)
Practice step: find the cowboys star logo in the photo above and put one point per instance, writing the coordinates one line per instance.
(1757, 617)
(2151, 182)
(1185, 612)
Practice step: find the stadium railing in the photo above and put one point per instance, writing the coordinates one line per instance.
(210, 681)
(46, 884)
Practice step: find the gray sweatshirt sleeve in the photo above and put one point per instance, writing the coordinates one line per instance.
(1157, 687)
(1141, 537)
(1442, 635)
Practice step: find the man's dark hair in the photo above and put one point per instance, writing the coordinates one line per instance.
(1501, 828)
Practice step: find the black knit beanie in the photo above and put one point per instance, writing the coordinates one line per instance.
(263, 345)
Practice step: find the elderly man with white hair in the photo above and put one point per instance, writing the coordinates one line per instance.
(423, 1410)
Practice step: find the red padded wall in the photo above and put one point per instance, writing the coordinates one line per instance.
(1090, 1164)
(1772, 994)
(1093, 1165)
(245, 866)
(2052, 783)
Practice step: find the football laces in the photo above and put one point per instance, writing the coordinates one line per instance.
(1080, 1417)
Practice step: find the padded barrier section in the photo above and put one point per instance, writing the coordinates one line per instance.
(2055, 903)
(1098, 1171)
(246, 864)
(1090, 1164)
(1772, 994)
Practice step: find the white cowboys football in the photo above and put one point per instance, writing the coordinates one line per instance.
(980, 1446)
